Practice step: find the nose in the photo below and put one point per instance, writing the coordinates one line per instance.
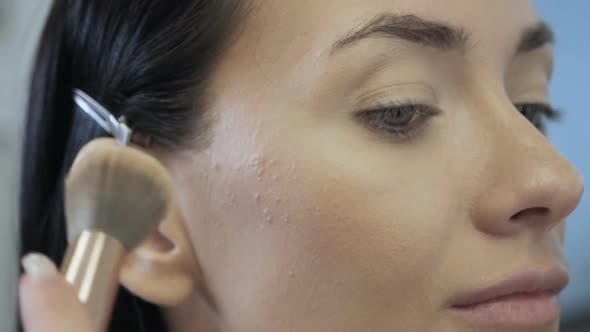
(530, 185)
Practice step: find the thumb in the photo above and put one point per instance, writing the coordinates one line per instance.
(47, 302)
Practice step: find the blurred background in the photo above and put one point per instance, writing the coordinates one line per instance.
(20, 23)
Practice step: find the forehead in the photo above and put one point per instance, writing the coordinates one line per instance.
(289, 41)
(311, 26)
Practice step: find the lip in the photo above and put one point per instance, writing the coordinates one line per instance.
(527, 299)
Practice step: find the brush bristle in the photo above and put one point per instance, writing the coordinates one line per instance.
(118, 190)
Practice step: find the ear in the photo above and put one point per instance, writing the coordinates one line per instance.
(163, 269)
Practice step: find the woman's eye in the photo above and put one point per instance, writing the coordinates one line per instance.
(401, 121)
(538, 114)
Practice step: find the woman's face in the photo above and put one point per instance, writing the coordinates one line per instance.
(365, 164)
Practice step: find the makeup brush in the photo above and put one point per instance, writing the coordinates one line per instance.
(115, 196)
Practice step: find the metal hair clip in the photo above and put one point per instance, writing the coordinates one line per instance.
(116, 127)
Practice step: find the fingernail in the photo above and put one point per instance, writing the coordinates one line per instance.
(38, 266)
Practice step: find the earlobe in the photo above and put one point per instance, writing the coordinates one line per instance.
(163, 269)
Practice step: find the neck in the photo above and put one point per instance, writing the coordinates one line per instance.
(195, 314)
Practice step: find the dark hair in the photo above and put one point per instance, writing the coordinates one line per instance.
(146, 60)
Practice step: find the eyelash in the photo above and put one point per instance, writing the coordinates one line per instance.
(381, 119)
(415, 116)
(539, 114)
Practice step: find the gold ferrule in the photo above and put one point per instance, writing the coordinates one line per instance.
(92, 264)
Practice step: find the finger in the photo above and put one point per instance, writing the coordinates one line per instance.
(47, 302)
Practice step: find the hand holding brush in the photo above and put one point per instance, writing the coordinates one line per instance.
(115, 197)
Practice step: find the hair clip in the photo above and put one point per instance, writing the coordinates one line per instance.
(115, 127)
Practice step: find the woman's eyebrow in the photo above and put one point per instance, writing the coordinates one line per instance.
(434, 34)
(535, 37)
(410, 28)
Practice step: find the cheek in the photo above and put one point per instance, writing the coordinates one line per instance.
(286, 225)
(358, 228)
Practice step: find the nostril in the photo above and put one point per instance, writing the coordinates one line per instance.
(535, 211)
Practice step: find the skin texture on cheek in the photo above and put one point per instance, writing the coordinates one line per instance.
(311, 226)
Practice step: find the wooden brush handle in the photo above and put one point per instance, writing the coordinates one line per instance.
(92, 264)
